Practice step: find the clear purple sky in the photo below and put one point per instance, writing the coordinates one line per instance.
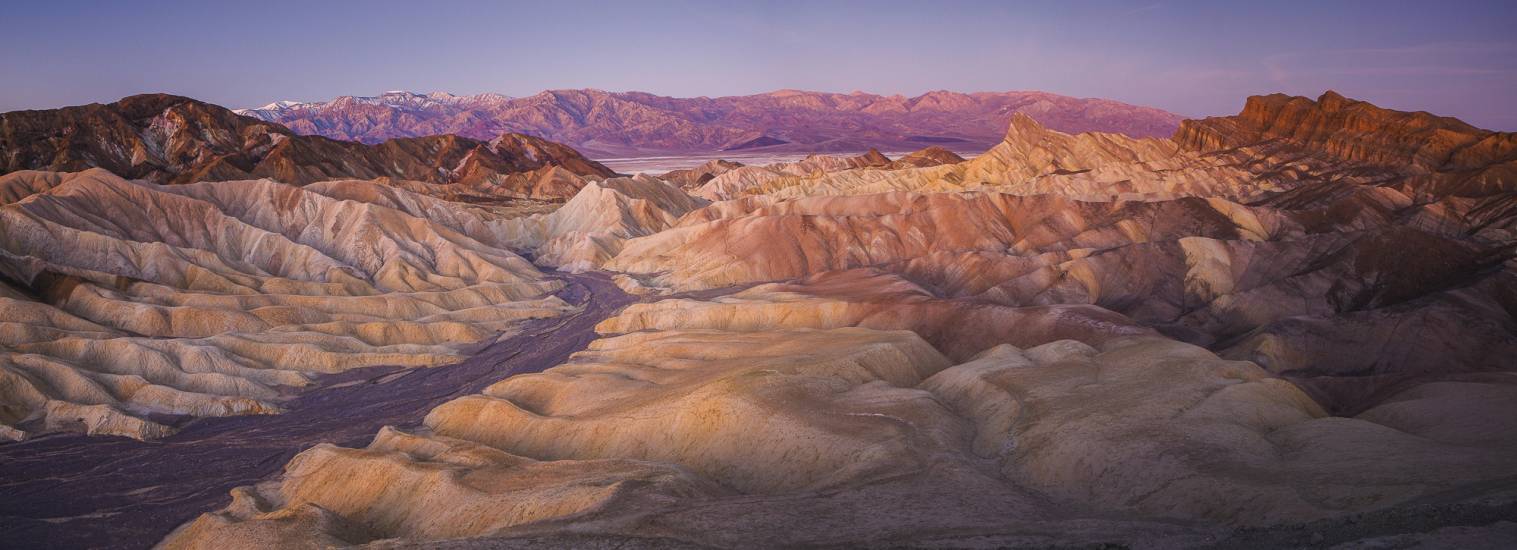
(1195, 58)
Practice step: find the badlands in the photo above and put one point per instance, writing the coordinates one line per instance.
(1289, 327)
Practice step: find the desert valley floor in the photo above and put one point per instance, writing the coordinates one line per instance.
(1291, 327)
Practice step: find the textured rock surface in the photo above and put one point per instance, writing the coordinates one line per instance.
(871, 299)
(1440, 155)
(133, 299)
(590, 229)
(1288, 328)
(213, 298)
(577, 235)
(171, 139)
(76, 491)
(721, 434)
(739, 180)
(931, 156)
(1032, 159)
(1345, 276)
(692, 178)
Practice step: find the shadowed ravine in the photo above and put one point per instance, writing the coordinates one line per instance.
(70, 491)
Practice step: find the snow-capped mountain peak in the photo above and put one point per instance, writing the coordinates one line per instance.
(273, 110)
(285, 104)
(404, 100)
(708, 124)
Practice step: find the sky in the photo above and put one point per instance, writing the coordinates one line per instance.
(1195, 58)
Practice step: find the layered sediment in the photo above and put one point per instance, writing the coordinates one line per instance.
(1298, 316)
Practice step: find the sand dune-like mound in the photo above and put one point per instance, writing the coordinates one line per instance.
(876, 300)
(1263, 283)
(590, 229)
(761, 239)
(1335, 259)
(128, 299)
(1300, 316)
(930, 156)
(692, 178)
(578, 235)
(740, 180)
(1069, 340)
(730, 428)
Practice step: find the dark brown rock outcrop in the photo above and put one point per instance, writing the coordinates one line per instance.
(691, 178)
(931, 156)
(172, 139)
(1439, 155)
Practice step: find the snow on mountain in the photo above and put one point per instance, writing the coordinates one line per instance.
(403, 100)
(610, 124)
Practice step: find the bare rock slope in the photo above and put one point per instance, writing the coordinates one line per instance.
(123, 300)
(739, 426)
(171, 139)
(1075, 340)
(1315, 251)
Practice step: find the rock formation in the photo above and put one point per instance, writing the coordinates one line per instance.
(742, 179)
(931, 156)
(1033, 160)
(692, 178)
(756, 177)
(1335, 255)
(125, 299)
(170, 139)
(749, 426)
(1292, 327)
(1438, 156)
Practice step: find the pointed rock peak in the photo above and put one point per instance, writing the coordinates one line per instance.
(938, 152)
(282, 104)
(874, 158)
(1332, 100)
(1021, 124)
(931, 156)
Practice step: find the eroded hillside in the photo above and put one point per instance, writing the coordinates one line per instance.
(1302, 315)
(1072, 339)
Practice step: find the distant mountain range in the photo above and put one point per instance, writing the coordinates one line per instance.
(170, 139)
(604, 124)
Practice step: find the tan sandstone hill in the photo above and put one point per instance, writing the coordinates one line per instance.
(1071, 340)
(730, 434)
(931, 156)
(1292, 327)
(125, 299)
(692, 178)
